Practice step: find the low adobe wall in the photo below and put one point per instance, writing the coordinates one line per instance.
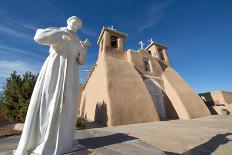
(227, 97)
(217, 97)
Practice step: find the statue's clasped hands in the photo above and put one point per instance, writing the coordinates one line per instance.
(85, 43)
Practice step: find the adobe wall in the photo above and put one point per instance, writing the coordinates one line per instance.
(117, 97)
(95, 103)
(169, 108)
(223, 110)
(227, 97)
(136, 60)
(207, 98)
(185, 101)
(217, 97)
(129, 98)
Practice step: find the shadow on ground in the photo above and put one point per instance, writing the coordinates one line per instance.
(97, 142)
(208, 147)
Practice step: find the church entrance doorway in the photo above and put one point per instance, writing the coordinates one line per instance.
(157, 96)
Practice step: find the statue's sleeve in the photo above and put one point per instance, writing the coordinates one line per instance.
(81, 58)
(49, 36)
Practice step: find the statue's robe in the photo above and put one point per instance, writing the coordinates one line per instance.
(50, 122)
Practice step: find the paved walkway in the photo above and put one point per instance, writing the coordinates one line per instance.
(209, 135)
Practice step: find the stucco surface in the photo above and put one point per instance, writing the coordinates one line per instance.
(95, 103)
(185, 101)
(217, 97)
(227, 97)
(129, 98)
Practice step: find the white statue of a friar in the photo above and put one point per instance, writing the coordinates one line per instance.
(50, 121)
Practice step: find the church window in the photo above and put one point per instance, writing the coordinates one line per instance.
(161, 53)
(114, 42)
(146, 65)
(149, 52)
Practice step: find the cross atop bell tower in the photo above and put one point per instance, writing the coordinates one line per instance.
(111, 40)
(141, 44)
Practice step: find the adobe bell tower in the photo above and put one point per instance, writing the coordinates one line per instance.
(159, 51)
(111, 40)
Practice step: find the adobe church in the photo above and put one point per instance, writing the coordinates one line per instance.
(130, 86)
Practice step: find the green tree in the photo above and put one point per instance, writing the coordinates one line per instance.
(16, 95)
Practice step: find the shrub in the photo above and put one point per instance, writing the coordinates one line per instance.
(81, 122)
(16, 95)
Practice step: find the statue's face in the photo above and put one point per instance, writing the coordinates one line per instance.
(73, 25)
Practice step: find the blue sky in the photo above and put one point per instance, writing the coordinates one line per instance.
(198, 33)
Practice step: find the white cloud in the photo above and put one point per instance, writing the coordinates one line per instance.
(2, 52)
(5, 49)
(19, 29)
(16, 28)
(149, 23)
(19, 25)
(155, 13)
(7, 67)
(14, 32)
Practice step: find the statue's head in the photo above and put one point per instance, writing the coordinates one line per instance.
(74, 23)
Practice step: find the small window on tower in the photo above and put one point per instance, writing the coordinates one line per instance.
(149, 52)
(146, 65)
(114, 42)
(161, 53)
